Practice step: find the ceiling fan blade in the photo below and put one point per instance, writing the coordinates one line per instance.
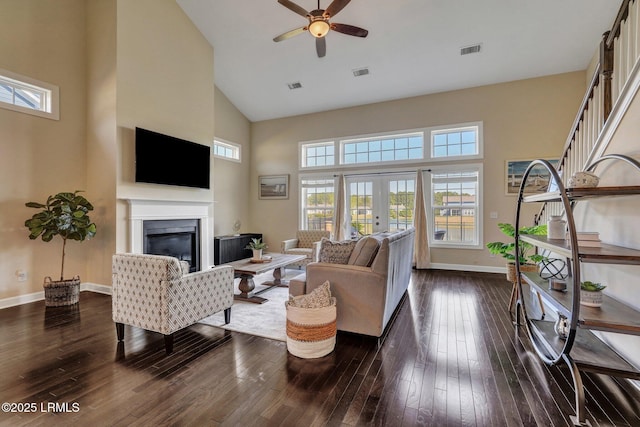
(289, 34)
(349, 30)
(335, 7)
(293, 7)
(321, 47)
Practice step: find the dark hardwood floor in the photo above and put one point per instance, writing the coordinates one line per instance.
(449, 358)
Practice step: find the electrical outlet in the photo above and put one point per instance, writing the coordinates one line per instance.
(21, 275)
(493, 215)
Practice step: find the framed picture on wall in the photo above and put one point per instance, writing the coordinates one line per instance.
(274, 186)
(537, 181)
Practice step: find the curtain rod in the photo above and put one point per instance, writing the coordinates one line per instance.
(379, 173)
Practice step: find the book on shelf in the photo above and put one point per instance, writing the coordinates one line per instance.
(589, 243)
(585, 235)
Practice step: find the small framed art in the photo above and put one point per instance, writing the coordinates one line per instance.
(274, 186)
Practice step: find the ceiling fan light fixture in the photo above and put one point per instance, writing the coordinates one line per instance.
(319, 27)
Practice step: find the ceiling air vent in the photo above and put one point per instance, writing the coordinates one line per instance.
(296, 85)
(470, 49)
(360, 72)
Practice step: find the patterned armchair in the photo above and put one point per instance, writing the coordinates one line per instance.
(305, 243)
(158, 294)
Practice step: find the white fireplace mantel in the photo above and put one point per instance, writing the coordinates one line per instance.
(143, 209)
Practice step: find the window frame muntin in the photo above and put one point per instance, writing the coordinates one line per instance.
(301, 208)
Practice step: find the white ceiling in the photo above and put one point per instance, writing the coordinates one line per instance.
(413, 48)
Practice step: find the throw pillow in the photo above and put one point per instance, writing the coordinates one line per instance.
(185, 266)
(335, 252)
(364, 252)
(317, 298)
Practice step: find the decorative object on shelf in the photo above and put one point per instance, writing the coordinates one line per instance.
(591, 293)
(583, 180)
(257, 246)
(556, 227)
(557, 285)
(553, 268)
(507, 250)
(562, 327)
(65, 215)
(236, 227)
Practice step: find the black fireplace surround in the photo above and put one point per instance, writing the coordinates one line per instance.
(178, 238)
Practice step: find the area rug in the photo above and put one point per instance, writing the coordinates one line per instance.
(267, 320)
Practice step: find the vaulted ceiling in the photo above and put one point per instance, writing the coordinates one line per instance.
(413, 48)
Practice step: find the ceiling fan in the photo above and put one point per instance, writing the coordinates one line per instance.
(319, 24)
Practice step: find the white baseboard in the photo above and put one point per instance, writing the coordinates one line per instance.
(39, 296)
(472, 268)
(96, 287)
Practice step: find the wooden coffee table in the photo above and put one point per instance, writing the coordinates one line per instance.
(247, 268)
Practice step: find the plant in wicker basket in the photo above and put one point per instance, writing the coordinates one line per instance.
(65, 215)
(528, 259)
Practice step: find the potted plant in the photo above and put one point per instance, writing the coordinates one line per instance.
(64, 215)
(257, 245)
(591, 293)
(528, 259)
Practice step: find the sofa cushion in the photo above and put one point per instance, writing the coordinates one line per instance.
(317, 298)
(335, 252)
(364, 252)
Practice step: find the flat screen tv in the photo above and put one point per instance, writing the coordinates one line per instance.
(163, 159)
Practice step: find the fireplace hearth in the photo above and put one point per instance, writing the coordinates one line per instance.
(179, 238)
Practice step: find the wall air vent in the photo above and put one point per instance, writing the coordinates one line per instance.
(360, 72)
(296, 85)
(470, 49)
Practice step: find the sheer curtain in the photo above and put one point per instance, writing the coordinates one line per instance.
(339, 217)
(421, 255)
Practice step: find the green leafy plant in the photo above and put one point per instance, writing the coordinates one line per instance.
(64, 215)
(527, 250)
(256, 244)
(591, 286)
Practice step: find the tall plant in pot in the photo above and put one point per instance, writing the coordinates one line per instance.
(528, 259)
(65, 215)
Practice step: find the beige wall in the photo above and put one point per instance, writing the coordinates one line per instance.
(231, 179)
(119, 64)
(165, 84)
(44, 40)
(522, 120)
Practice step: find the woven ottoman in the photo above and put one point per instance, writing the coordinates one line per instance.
(311, 332)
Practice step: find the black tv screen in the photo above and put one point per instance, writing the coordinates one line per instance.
(163, 159)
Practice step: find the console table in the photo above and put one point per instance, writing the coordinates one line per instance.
(232, 248)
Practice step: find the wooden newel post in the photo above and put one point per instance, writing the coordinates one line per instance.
(606, 67)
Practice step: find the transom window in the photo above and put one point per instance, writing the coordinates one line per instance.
(226, 150)
(383, 149)
(455, 142)
(318, 154)
(26, 95)
(461, 141)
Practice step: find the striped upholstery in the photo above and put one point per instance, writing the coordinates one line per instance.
(152, 293)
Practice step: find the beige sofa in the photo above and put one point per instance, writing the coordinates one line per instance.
(367, 295)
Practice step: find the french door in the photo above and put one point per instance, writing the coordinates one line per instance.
(380, 202)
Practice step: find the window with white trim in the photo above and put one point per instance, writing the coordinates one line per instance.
(455, 206)
(383, 149)
(27, 95)
(318, 154)
(318, 203)
(455, 142)
(226, 150)
(443, 143)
